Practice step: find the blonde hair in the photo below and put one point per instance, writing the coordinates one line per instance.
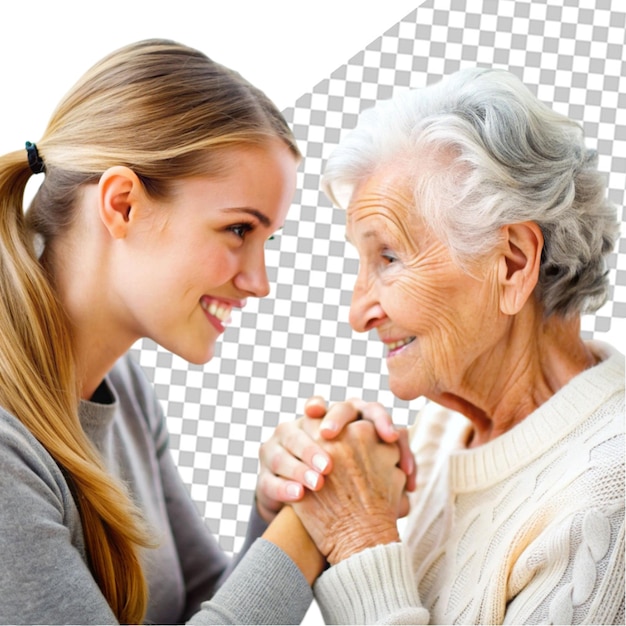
(166, 111)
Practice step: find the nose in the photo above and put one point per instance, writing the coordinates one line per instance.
(366, 312)
(252, 277)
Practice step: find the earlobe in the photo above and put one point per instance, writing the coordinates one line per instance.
(118, 191)
(519, 264)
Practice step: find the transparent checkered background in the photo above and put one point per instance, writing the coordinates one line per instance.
(297, 342)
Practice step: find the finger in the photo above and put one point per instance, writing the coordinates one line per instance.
(297, 453)
(399, 483)
(405, 506)
(337, 417)
(315, 407)
(285, 465)
(363, 433)
(273, 491)
(407, 460)
(378, 415)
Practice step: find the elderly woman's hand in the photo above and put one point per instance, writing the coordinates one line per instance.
(362, 497)
(292, 459)
(343, 413)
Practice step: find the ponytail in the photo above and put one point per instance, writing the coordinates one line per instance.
(38, 384)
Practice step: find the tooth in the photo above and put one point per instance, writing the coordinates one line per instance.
(398, 344)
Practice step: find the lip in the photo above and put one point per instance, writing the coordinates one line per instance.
(396, 345)
(218, 310)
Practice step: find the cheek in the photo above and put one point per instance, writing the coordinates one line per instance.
(421, 298)
(207, 266)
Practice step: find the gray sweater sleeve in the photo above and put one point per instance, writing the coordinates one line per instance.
(203, 563)
(44, 577)
(265, 588)
(263, 585)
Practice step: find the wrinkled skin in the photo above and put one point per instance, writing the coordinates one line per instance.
(362, 497)
(295, 456)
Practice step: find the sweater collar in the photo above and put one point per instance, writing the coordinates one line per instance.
(96, 415)
(563, 412)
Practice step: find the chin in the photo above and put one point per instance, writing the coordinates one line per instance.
(201, 359)
(403, 392)
(197, 355)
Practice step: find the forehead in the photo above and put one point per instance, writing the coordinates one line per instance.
(386, 195)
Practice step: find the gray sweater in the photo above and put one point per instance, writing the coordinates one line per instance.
(44, 577)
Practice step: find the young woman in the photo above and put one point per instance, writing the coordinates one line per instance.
(165, 174)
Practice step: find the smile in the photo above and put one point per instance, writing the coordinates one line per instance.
(217, 311)
(394, 346)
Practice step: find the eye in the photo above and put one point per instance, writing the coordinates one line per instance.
(388, 256)
(240, 230)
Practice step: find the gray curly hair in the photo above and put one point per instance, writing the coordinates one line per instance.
(514, 160)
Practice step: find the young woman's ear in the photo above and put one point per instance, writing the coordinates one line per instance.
(119, 191)
(518, 270)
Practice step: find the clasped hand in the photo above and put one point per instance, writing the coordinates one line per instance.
(365, 465)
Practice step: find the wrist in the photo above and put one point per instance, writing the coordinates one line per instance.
(358, 538)
(288, 533)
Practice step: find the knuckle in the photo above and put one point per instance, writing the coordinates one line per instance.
(362, 428)
(281, 428)
(264, 453)
(264, 485)
(290, 439)
(276, 462)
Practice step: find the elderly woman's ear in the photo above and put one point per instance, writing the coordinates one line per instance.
(518, 265)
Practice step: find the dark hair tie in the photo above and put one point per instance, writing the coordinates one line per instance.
(35, 162)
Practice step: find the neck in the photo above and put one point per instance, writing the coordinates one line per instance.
(96, 334)
(527, 366)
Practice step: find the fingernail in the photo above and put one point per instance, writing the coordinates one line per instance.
(293, 490)
(311, 478)
(319, 462)
(331, 426)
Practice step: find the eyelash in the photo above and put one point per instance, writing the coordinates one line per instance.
(388, 256)
(240, 230)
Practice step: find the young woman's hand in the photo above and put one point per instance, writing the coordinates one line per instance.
(292, 460)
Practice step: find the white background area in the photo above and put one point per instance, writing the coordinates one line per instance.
(284, 47)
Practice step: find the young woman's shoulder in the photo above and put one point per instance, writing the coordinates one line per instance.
(33, 487)
(23, 460)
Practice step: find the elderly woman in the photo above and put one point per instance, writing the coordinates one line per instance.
(482, 228)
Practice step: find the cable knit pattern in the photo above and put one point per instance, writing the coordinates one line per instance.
(526, 529)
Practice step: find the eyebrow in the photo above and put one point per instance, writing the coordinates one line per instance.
(366, 235)
(260, 216)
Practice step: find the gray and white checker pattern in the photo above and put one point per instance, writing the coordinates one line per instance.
(297, 342)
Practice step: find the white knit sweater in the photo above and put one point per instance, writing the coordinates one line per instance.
(527, 529)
